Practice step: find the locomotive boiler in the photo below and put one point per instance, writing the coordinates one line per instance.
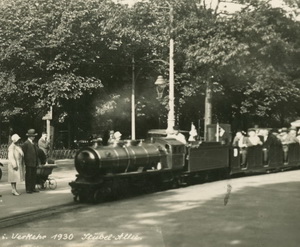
(129, 156)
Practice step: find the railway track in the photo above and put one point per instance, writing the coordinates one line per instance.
(37, 214)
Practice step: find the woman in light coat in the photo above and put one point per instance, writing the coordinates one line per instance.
(15, 164)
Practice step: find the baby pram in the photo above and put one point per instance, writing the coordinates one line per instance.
(1, 170)
(43, 181)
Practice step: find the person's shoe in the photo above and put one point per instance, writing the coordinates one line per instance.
(29, 192)
(15, 193)
(36, 191)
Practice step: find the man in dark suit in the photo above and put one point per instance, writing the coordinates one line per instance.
(31, 161)
(269, 141)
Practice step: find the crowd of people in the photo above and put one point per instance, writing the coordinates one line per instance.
(115, 137)
(23, 160)
(265, 137)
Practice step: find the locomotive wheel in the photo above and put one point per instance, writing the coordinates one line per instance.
(38, 186)
(102, 194)
(122, 190)
(97, 197)
(75, 198)
(175, 183)
(82, 198)
(150, 188)
(52, 184)
(41, 186)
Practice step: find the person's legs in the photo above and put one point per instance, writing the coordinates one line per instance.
(33, 179)
(28, 178)
(265, 156)
(285, 154)
(14, 189)
(244, 158)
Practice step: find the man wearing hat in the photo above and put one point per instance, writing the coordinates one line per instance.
(31, 161)
(117, 136)
(44, 143)
(111, 137)
(177, 135)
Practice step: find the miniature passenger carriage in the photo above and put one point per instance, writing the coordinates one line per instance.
(43, 180)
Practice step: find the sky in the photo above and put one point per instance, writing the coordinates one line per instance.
(230, 8)
(130, 2)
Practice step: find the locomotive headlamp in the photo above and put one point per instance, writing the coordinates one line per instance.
(160, 84)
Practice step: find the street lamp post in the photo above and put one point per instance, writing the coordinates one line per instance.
(133, 101)
(171, 113)
(208, 109)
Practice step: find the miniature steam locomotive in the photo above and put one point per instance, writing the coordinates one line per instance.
(160, 163)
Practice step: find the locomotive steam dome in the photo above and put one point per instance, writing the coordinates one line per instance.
(86, 162)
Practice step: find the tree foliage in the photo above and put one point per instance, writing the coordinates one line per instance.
(53, 51)
(60, 52)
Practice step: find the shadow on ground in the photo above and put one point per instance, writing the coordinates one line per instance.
(256, 214)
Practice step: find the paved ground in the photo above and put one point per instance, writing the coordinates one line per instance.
(13, 205)
(260, 211)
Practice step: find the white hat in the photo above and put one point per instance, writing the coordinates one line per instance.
(117, 134)
(15, 137)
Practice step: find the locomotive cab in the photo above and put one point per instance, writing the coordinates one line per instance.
(174, 150)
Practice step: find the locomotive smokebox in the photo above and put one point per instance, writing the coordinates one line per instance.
(86, 161)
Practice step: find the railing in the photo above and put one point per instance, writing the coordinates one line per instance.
(3, 151)
(55, 154)
(63, 154)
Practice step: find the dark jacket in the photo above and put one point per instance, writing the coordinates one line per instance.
(30, 154)
(271, 141)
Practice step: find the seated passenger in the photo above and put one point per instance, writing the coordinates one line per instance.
(282, 135)
(117, 136)
(288, 137)
(268, 138)
(96, 141)
(292, 136)
(177, 135)
(253, 139)
(111, 138)
(239, 140)
(275, 133)
(298, 135)
(116, 140)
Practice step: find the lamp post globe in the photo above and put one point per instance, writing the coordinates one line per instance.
(160, 84)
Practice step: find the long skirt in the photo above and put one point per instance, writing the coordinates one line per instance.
(15, 176)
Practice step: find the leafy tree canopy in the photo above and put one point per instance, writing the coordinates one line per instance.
(59, 52)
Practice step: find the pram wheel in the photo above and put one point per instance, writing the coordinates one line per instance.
(41, 186)
(52, 183)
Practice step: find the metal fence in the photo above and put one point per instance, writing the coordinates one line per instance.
(55, 154)
(3, 151)
(63, 154)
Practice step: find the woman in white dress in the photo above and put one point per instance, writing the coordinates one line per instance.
(15, 164)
